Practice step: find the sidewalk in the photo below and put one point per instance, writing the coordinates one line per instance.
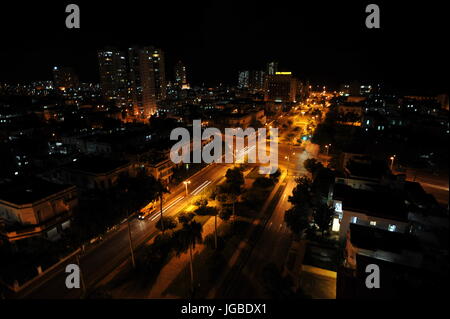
(318, 283)
(174, 267)
(177, 264)
(244, 243)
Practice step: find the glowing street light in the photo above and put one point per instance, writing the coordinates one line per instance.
(186, 185)
(392, 158)
(327, 148)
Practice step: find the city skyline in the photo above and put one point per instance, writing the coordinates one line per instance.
(224, 150)
(216, 41)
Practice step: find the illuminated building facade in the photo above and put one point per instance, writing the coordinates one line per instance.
(142, 81)
(113, 76)
(180, 74)
(64, 78)
(280, 87)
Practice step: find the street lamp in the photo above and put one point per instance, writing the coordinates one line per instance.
(287, 158)
(392, 161)
(186, 185)
(327, 147)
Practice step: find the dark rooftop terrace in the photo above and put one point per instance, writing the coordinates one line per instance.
(31, 190)
(96, 165)
(384, 203)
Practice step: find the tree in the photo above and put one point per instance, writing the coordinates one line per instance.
(297, 220)
(235, 179)
(154, 256)
(186, 239)
(323, 216)
(159, 190)
(312, 165)
(201, 202)
(275, 176)
(302, 192)
(226, 200)
(185, 217)
(225, 213)
(205, 210)
(263, 182)
(166, 222)
(302, 200)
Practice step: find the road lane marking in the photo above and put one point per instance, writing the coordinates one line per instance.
(199, 186)
(167, 207)
(202, 188)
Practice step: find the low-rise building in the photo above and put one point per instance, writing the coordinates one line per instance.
(161, 169)
(382, 209)
(89, 173)
(382, 264)
(35, 208)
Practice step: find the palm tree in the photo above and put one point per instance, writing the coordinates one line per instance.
(323, 217)
(226, 199)
(214, 211)
(187, 238)
(159, 191)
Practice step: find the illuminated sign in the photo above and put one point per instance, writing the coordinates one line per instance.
(283, 73)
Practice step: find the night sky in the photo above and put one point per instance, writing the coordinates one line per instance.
(319, 41)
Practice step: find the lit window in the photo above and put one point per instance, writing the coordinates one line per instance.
(373, 223)
(354, 220)
(336, 225)
(392, 227)
(338, 207)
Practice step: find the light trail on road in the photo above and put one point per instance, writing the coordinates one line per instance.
(200, 188)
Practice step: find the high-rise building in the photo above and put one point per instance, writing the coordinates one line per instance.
(256, 80)
(113, 76)
(160, 73)
(252, 80)
(142, 81)
(272, 68)
(243, 79)
(180, 74)
(280, 87)
(64, 78)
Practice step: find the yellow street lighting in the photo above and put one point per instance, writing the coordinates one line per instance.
(392, 161)
(186, 185)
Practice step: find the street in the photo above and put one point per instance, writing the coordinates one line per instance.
(106, 256)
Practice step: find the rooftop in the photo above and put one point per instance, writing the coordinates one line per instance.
(384, 245)
(27, 191)
(383, 203)
(96, 165)
(373, 238)
(365, 167)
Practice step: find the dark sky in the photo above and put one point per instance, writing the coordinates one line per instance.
(324, 41)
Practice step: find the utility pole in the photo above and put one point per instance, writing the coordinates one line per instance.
(161, 206)
(133, 262)
(287, 171)
(81, 274)
(215, 230)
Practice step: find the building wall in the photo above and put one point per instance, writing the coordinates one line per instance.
(350, 109)
(86, 180)
(280, 88)
(364, 219)
(36, 217)
(162, 170)
(113, 76)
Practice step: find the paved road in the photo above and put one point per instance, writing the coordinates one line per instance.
(272, 247)
(275, 241)
(104, 258)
